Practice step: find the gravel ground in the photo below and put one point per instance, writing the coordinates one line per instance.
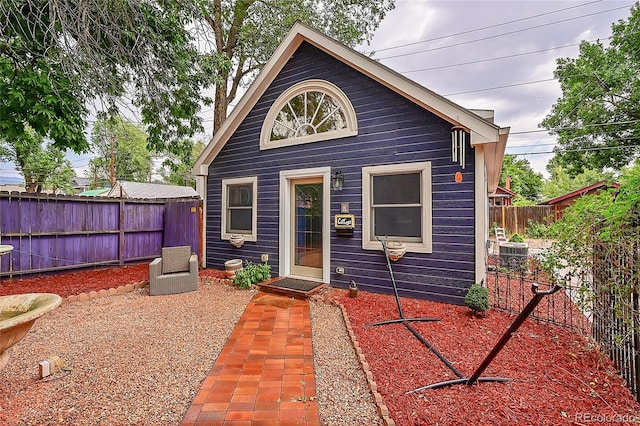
(135, 359)
(341, 386)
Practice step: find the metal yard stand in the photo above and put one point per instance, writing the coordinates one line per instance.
(475, 377)
(402, 319)
(406, 321)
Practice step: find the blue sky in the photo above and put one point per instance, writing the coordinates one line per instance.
(496, 55)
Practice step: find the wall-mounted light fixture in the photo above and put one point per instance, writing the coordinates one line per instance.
(458, 145)
(337, 180)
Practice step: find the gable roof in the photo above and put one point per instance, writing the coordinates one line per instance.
(501, 191)
(483, 132)
(123, 189)
(580, 192)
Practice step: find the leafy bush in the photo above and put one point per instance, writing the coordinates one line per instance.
(535, 229)
(477, 298)
(252, 274)
(516, 238)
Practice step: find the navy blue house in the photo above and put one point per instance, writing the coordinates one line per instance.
(415, 169)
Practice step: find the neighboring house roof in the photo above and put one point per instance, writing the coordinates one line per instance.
(21, 188)
(478, 123)
(12, 188)
(580, 192)
(95, 192)
(123, 189)
(81, 182)
(503, 195)
(505, 191)
(501, 191)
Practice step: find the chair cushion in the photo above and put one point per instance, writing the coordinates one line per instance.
(175, 259)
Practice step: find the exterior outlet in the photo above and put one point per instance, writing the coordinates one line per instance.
(264, 258)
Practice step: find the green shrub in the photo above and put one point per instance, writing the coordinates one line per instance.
(252, 274)
(477, 298)
(535, 229)
(516, 238)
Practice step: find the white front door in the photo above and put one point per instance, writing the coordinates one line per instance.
(306, 227)
(304, 224)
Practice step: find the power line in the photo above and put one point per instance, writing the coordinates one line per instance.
(506, 86)
(584, 126)
(515, 55)
(503, 34)
(487, 27)
(564, 151)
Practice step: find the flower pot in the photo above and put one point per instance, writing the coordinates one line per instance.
(353, 289)
(395, 250)
(236, 240)
(232, 266)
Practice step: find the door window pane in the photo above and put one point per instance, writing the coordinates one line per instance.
(308, 223)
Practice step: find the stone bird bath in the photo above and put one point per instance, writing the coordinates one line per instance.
(18, 312)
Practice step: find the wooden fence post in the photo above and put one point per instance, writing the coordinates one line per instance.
(121, 234)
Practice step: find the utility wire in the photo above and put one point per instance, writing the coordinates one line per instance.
(506, 86)
(502, 34)
(515, 55)
(487, 27)
(598, 148)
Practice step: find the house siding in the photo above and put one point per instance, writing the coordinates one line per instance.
(391, 130)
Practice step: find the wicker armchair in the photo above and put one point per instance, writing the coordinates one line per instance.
(175, 272)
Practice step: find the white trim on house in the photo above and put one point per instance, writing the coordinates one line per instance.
(286, 176)
(370, 243)
(482, 131)
(201, 189)
(325, 87)
(481, 202)
(226, 183)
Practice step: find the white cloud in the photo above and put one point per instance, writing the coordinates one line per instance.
(502, 30)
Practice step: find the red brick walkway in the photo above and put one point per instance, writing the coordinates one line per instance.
(264, 374)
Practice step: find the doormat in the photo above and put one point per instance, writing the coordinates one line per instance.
(277, 301)
(295, 284)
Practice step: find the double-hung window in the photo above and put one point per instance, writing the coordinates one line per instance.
(239, 208)
(396, 205)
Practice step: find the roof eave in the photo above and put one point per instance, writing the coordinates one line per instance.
(481, 130)
(493, 156)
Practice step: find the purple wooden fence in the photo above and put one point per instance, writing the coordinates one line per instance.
(51, 233)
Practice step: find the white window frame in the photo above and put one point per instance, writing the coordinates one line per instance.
(295, 90)
(253, 236)
(370, 243)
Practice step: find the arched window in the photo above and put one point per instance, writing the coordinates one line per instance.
(309, 111)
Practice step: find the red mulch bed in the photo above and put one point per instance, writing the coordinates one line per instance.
(557, 377)
(84, 281)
